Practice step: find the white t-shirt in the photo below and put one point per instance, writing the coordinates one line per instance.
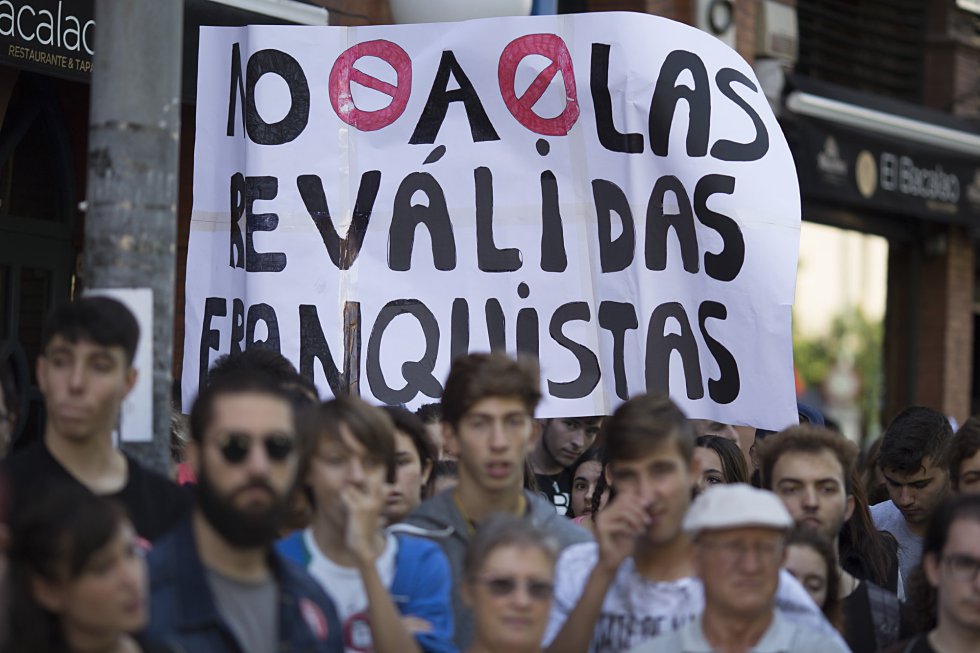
(636, 609)
(346, 589)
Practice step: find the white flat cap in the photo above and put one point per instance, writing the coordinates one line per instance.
(736, 505)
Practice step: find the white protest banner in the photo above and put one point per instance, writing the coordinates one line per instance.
(609, 192)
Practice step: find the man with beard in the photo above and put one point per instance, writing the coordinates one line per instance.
(562, 442)
(217, 585)
(810, 468)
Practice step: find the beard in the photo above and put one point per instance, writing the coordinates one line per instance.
(241, 528)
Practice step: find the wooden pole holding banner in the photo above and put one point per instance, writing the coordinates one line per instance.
(131, 221)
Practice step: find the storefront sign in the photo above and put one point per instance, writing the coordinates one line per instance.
(54, 37)
(846, 166)
(610, 193)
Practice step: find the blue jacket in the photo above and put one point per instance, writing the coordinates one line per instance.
(185, 617)
(421, 588)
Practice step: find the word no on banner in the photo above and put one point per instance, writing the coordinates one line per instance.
(610, 193)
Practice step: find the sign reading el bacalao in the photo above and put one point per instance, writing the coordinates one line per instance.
(53, 37)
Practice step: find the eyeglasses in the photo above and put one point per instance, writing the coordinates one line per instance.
(962, 567)
(236, 446)
(500, 586)
(731, 552)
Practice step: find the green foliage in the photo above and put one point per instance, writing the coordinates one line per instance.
(851, 334)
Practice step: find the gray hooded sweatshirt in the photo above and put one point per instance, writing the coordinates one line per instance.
(439, 519)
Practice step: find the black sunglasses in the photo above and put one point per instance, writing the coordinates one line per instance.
(539, 590)
(235, 447)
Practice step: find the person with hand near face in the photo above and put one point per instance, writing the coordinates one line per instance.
(638, 579)
(738, 536)
(509, 578)
(78, 577)
(352, 456)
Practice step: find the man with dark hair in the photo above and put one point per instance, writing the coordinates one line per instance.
(913, 461)
(950, 596)
(809, 468)
(431, 416)
(85, 370)
(637, 580)
(217, 584)
(964, 458)
(562, 442)
(488, 413)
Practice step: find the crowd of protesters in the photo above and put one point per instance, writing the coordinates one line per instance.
(470, 526)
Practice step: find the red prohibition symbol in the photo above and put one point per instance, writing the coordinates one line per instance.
(553, 48)
(344, 72)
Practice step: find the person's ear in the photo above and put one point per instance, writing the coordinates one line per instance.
(426, 471)
(131, 375)
(930, 565)
(850, 507)
(48, 595)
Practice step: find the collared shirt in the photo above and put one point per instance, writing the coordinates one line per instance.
(782, 636)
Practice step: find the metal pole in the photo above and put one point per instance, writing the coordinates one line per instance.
(134, 132)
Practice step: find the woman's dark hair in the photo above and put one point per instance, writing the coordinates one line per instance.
(733, 466)
(875, 492)
(965, 445)
(53, 539)
(412, 426)
(831, 607)
(865, 551)
(593, 455)
(442, 468)
(921, 594)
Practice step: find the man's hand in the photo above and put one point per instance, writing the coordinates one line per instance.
(617, 526)
(364, 503)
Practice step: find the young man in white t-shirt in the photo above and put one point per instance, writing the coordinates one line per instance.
(392, 593)
(638, 580)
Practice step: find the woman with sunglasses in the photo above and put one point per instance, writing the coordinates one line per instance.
(78, 580)
(391, 591)
(509, 579)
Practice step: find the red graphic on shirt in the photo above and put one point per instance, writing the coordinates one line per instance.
(552, 47)
(357, 633)
(344, 72)
(315, 618)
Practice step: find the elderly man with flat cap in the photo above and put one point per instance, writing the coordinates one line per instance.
(739, 537)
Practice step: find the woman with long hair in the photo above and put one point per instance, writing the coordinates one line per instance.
(866, 552)
(810, 557)
(585, 501)
(78, 580)
(508, 582)
(721, 462)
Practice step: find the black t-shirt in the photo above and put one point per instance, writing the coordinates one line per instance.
(154, 503)
(861, 623)
(557, 488)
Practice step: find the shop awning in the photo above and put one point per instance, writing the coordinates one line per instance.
(861, 151)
